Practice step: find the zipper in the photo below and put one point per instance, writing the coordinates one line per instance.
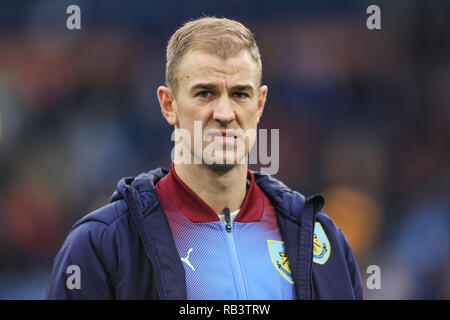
(239, 280)
(226, 212)
(152, 260)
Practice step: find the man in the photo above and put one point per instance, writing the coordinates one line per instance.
(209, 228)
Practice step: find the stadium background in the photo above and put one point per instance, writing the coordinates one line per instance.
(364, 119)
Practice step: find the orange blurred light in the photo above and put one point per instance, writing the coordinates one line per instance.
(356, 213)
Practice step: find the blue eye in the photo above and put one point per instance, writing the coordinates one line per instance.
(240, 95)
(204, 94)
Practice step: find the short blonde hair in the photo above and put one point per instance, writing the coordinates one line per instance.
(220, 36)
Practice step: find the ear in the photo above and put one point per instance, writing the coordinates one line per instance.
(168, 105)
(261, 101)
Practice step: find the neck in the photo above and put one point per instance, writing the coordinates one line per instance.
(217, 189)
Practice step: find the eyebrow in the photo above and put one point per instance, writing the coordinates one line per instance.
(210, 86)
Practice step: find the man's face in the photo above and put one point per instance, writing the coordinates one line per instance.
(225, 99)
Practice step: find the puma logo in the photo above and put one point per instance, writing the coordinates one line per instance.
(186, 260)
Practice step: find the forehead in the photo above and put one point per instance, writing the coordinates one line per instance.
(201, 66)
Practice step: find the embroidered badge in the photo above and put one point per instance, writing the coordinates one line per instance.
(279, 258)
(321, 245)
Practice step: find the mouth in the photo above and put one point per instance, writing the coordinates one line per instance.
(224, 135)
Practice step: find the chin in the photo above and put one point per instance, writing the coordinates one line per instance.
(223, 166)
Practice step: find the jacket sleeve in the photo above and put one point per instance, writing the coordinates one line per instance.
(78, 268)
(352, 268)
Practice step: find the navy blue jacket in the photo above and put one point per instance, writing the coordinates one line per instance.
(125, 250)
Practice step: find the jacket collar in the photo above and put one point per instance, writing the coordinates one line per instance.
(288, 202)
(197, 210)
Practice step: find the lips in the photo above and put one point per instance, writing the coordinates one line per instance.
(228, 135)
(223, 134)
(227, 139)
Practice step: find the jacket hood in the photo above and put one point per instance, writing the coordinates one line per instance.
(288, 202)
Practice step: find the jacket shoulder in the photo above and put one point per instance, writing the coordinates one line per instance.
(324, 218)
(88, 246)
(329, 225)
(106, 215)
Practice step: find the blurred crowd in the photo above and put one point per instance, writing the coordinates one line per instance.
(364, 120)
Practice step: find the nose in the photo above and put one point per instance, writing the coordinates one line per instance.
(223, 111)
